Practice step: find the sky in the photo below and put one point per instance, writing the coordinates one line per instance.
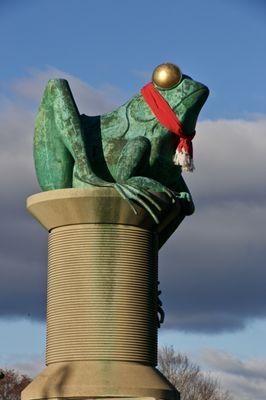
(212, 270)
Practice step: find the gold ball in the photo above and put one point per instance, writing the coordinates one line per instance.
(166, 75)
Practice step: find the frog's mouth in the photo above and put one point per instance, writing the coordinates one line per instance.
(192, 104)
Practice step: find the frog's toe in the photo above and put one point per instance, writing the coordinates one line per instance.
(136, 194)
(120, 190)
(152, 186)
(144, 193)
(186, 202)
(184, 196)
(172, 195)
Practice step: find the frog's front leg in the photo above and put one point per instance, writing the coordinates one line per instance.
(134, 161)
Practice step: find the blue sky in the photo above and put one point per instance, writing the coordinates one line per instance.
(221, 43)
(108, 50)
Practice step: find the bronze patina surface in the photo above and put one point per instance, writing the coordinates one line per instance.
(127, 149)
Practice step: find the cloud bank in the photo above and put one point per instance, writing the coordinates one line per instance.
(211, 270)
(245, 379)
(23, 247)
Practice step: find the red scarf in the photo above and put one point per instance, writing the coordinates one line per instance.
(166, 116)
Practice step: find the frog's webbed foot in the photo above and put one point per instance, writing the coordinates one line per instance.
(141, 190)
(151, 185)
(126, 191)
(136, 189)
(146, 187)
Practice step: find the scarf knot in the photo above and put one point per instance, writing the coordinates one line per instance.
(186, 143)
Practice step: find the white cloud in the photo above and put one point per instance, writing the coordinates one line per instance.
(90, 100)
(230, 160)
(213, 266)
(245, 379)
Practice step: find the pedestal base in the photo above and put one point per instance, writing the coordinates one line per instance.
(101, 379)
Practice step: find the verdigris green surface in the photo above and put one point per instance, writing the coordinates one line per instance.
(127, 148)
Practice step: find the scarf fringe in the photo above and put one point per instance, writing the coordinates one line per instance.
(184, 160)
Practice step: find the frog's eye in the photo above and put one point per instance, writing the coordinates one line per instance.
(166, 76)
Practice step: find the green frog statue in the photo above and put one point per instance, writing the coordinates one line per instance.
(139, 149)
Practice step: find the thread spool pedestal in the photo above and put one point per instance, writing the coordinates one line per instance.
(102, 296)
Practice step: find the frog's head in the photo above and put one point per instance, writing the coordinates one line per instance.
(185, 96)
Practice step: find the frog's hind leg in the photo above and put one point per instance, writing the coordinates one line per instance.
(59, 142)
(53, 161)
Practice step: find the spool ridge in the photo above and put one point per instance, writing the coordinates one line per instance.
(102, 299)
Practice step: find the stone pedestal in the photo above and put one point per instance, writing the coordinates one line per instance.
(102, 296)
